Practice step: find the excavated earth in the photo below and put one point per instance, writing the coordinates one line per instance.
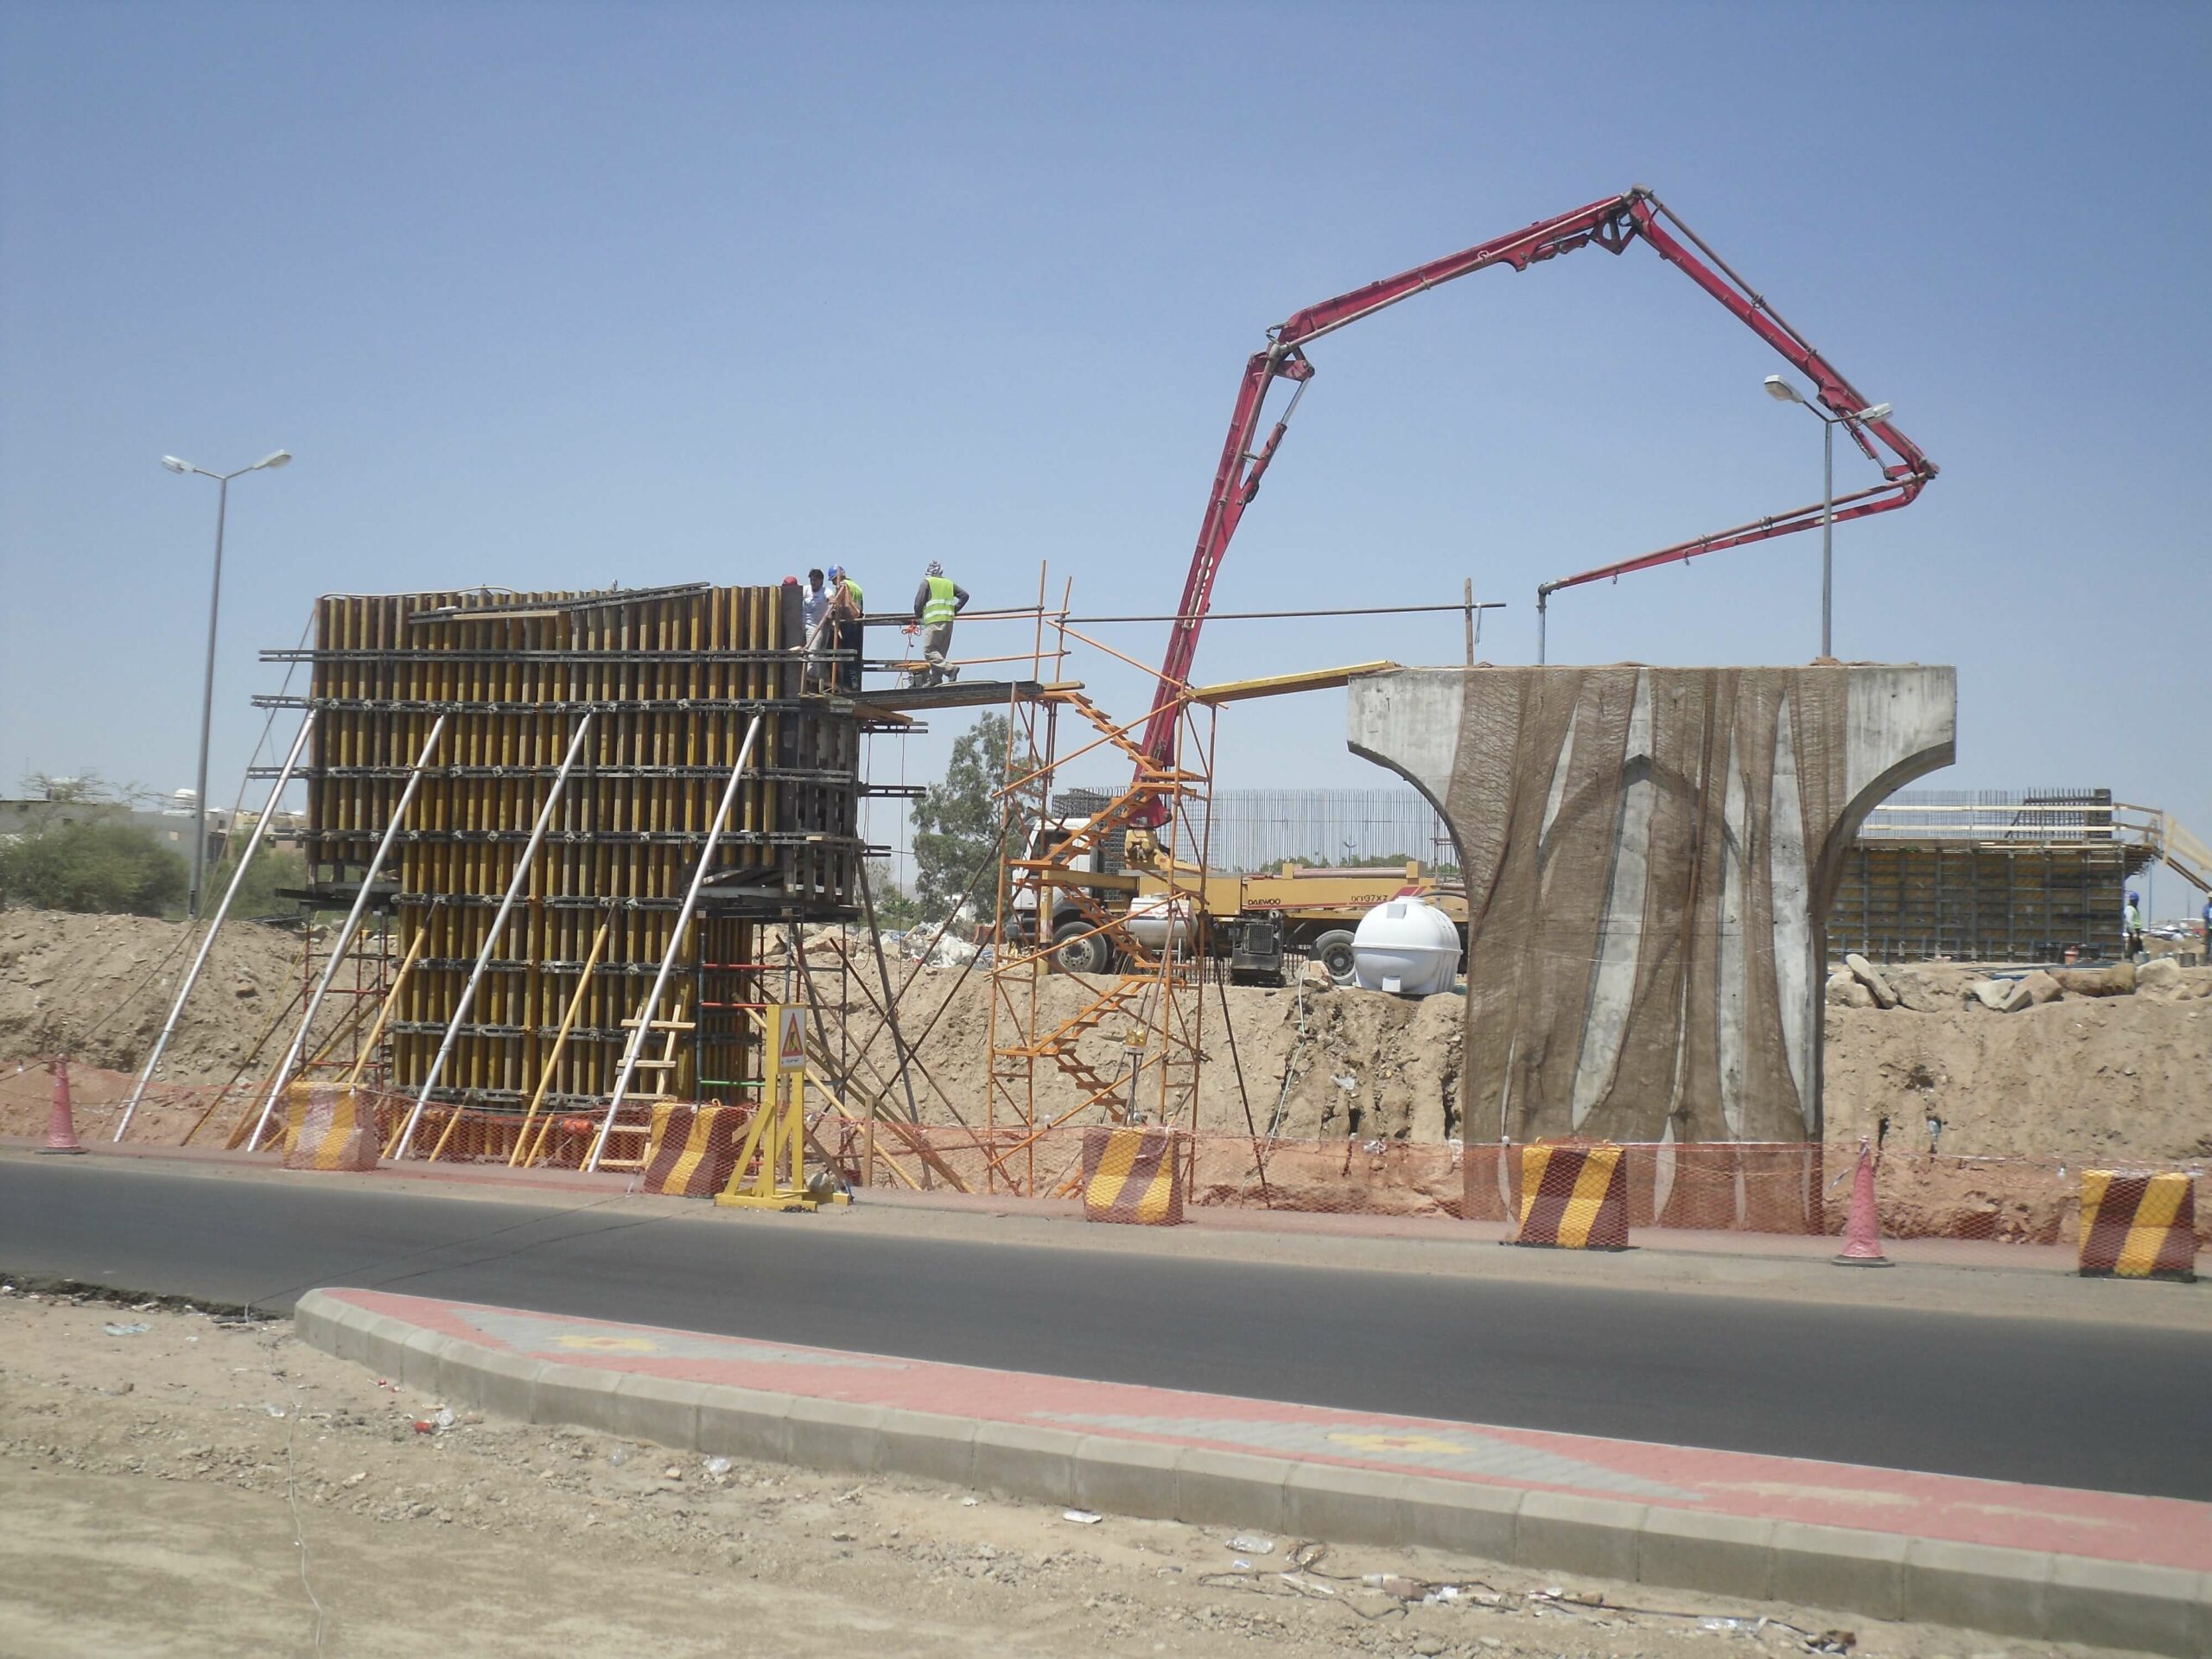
(2076, 1080)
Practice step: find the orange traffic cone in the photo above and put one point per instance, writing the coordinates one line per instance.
(61, 1127)
(1862, 1232)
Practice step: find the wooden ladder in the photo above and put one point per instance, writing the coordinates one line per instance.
(663, 1068)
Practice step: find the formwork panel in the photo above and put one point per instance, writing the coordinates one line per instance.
(1980, 902)
(671, 678)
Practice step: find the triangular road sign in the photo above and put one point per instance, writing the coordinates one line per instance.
(790, 1039)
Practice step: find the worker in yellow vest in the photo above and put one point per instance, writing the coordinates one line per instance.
(845, 614)
(936, 602)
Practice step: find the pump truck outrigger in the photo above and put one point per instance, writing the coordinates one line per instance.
(1131, 883)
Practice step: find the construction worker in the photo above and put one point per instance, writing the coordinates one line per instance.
(936, 602)
(845, 614)
(813, 613)
(2134, 914)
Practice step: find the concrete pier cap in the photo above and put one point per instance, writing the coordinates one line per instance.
(1649, 855)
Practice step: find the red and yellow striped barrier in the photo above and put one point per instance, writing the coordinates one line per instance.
(328, 1126)
(1132, 1175)
(2138, 1226)
(693, 1149)
(1573, 1197)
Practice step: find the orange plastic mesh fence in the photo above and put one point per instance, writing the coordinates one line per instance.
(1776, 1187)
(1773, 1187)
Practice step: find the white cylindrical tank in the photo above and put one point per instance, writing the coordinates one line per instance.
(1149, 917)
(1407, 948)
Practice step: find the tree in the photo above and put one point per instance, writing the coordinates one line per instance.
(80, 789)
(103, 866)
(894, 907)
(956, 822)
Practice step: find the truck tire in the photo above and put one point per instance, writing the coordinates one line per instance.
(1077, 949)
(1333, 951)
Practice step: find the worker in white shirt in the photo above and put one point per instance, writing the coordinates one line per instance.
(813, 610)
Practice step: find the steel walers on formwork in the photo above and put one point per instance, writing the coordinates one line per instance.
(646, 1011)
(515, 886)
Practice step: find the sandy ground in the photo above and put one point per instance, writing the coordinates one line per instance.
(100, 987)
(2077, 1079)
(164, 1489)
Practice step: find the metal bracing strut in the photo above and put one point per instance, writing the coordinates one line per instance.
(215, 925)
(675, 946)
(345, 934)
(520, 879)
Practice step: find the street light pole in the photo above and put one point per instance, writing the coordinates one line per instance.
(1828, 535)
(207, 682)
(1783, 392)
(208, 708)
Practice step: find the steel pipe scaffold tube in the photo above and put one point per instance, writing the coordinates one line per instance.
(345, 934)
(675, 945)
(520, 879)
(215, 923)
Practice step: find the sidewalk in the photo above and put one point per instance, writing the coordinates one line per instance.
(2029, 1561)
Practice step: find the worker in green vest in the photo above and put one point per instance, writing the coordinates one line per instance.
(845, 614)
(936, 602)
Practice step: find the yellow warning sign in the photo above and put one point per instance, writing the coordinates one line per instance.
(789, 1025)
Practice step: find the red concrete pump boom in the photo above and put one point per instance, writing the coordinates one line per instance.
(1611, 224)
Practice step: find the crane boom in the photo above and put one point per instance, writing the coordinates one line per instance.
(1610, 224)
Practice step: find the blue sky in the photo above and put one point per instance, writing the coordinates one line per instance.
(564, 295)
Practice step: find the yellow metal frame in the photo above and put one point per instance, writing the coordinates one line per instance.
(778, 1137)
(1276, 686)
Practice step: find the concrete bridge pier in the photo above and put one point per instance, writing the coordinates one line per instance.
(1650, 853)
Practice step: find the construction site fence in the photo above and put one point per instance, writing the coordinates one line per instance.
(1786, 1187)
(1779, 1187)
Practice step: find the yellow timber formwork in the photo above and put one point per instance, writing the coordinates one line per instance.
(669, 679)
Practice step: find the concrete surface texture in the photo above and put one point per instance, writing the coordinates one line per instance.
(2032, 1561)
(1648, 854)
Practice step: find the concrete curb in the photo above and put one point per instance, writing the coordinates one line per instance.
(2036, 1594)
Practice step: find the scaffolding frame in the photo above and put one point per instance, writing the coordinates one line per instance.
(1154, 995)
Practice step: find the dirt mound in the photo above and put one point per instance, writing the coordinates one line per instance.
(101, 986)
(2078, 1077)
(2073, 1079)
(1315, 1063)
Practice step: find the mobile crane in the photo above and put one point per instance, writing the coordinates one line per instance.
(1122, 881)
(1611, 224)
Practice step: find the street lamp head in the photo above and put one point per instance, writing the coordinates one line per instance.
(282, 458)
(174, 464)
(1874, 412)
(1781, 390)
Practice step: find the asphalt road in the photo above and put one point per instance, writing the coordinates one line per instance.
(2064, 1403)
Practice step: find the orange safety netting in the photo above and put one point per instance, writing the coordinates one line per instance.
(1772, 1187)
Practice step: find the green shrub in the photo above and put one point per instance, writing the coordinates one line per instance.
(99, 868)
